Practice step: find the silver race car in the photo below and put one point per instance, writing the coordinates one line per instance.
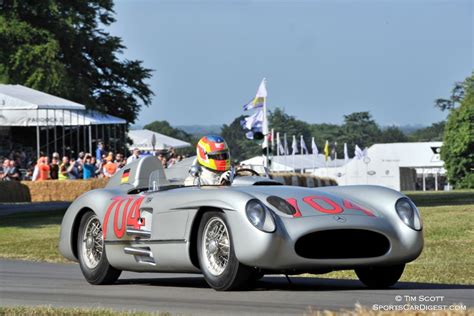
(147, 221)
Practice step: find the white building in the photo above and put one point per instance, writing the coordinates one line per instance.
(400, 166)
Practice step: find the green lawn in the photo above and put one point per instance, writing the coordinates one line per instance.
(448, 256)
(60, 311)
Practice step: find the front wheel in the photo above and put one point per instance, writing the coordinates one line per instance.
(91, 252)
(380, 277)
(217, 259)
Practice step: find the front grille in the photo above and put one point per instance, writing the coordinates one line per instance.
(342, 244)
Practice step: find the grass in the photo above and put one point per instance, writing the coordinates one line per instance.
(31, 236)
(448, 256)
(59, 311)
(73, 311)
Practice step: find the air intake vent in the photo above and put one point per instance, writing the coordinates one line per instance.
(342, 244)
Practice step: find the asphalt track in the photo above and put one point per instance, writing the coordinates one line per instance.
(29, 283)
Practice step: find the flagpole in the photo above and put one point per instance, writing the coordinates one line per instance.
(265, 130)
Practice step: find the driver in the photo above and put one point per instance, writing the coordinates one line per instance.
(213, 157)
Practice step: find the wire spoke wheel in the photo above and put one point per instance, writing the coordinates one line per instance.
(92, 242)
(216, 246)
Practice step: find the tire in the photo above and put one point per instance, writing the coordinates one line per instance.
(94, 264)
(219, 274)
(380, 277)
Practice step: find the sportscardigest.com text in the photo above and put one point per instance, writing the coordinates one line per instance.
(419, 303)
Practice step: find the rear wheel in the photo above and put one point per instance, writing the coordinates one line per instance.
(91, 252)
(380, 277)
(217, 259)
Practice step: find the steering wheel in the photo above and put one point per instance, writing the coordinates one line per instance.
(238, 172)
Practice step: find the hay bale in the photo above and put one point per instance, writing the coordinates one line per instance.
(61, 190)
(14, 191)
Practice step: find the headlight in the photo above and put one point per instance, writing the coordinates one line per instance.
(281, 205)
(260, 216)
(408, 213)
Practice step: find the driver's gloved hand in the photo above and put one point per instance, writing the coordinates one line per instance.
(226, 178)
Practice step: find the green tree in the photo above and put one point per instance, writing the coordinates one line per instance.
(359, 129)
(240, 147)
(458, 145)
(428, 134)
(59, 47)
(392, 134)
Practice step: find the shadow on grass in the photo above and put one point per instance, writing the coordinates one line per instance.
(32, 219)
(442, 198)
(277, 283)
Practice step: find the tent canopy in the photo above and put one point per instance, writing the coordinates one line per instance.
(18, 97)
(142, 139)
(56, 118)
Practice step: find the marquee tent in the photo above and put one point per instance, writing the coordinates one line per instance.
(25, 107)
(142, 139)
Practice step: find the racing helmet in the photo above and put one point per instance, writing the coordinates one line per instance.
(213, 153)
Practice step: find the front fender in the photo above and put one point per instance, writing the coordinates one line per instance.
(95, 200)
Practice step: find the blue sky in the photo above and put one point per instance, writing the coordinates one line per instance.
(322, 59)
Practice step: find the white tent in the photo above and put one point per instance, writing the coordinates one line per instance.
(395, 165)
(26, 107)
(56, 118)
(17, 97)
(142, 139)
(295, 162)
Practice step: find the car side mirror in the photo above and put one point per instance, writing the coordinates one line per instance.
(195, 171)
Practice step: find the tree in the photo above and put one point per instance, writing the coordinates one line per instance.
(240, 147)
(392, 134)
(58, 47)
(428, 134)
(458, 145)
(359, 128)
(163, 127)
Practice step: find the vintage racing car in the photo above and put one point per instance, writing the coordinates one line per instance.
(147, 221)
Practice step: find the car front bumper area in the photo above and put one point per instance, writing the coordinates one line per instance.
(329, 242)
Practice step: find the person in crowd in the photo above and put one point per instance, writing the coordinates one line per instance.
(5, 167)
(54, 168)
(119, 161)
(213, 157)
(99, 151)
(97, 169)
(135, 155)
(13, 172)
(43, 169)
(64, 169)
(110, 167)
(89, 167)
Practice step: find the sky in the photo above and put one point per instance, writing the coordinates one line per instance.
(322, 59)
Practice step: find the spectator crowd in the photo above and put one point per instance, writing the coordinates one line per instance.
(102, 164)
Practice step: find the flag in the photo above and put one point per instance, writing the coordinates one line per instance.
(304, 149)
(287, 152)
(294, 146)
(259, 99)
(326, 150)
(314, 148)
(254, 121)
(358, 153)
(280, 148)
(346, 154)
(333, 151)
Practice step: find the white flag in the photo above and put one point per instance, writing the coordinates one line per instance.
(304, 149)
(280, 148)
(253, 121)
(259, 99)
(294, 146)
(314, 148)
(346, 154)
(287, 151)
(358, 153)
